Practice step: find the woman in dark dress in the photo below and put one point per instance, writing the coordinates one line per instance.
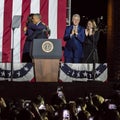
(26, 56)
(90, 43)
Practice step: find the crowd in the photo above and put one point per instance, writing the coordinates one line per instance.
(91, 107)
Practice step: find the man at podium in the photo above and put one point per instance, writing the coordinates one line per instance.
(35, 28)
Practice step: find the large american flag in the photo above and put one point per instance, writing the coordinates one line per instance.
(53, 14)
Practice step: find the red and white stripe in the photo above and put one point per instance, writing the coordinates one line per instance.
(53, 14)
(1, 26)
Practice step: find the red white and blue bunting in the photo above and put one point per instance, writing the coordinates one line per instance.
(68, 72)
(22, 71)
(82, 72)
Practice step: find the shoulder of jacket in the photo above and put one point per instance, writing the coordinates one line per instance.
(68, 27)
(81, 27)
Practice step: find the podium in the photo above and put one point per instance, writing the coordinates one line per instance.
(46, 55)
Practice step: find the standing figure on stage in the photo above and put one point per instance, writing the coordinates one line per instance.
(74, 37)
(34, 29)
(90, 43)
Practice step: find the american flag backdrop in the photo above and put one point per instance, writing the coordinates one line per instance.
(53, 14)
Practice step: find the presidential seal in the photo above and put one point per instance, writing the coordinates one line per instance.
(47, 46)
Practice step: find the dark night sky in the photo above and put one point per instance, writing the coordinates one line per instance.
(90, 8)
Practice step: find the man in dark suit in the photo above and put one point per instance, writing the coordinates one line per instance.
(74, 37)
(35, 29)
(40, 29)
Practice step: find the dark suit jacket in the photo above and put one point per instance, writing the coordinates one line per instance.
(74, 42)
(38, 31)
(34, 31)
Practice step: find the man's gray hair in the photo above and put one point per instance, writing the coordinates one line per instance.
(76, 15)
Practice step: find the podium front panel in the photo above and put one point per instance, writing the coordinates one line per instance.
(46, 49)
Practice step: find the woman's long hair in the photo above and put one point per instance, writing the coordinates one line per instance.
(29, 19)
(95, 28)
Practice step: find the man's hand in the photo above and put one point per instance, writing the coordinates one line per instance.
(25, 29)
(76, 32)
(73, 32)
